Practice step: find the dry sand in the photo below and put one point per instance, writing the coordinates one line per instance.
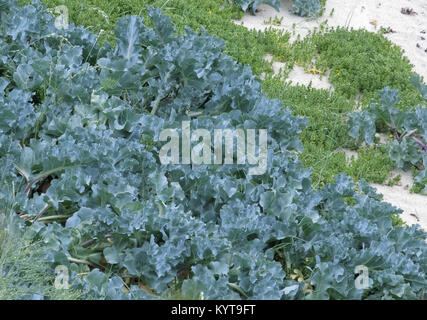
(410, 34)
(413, 205)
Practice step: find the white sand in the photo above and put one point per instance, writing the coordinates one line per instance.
(298, 77)
(413, 205)
(370, 15)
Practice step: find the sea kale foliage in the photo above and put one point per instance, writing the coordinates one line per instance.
(306, 8)
(253, 4)
(80, 173)
(303, 8)
(408, 128)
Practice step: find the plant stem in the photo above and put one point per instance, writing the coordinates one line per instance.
(41, 213)
(57, 217)
(45, 174)
(80, 261)
(421, 144)
(156, 104)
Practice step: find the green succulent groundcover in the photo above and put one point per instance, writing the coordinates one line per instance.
(81, 176)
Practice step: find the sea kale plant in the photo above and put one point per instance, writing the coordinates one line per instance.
(252, 5)
(306, 8)
(80, 174)
(303, 8)
(408, 128)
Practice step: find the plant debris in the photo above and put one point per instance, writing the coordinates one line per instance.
(416, 217)
(386, 30)
(408, 11)
(390, 30)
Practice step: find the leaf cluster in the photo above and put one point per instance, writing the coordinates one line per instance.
(408, 128)
(306, 8)
(303, 8)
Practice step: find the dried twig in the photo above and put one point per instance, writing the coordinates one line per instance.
(416, 217)
(408, 11)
